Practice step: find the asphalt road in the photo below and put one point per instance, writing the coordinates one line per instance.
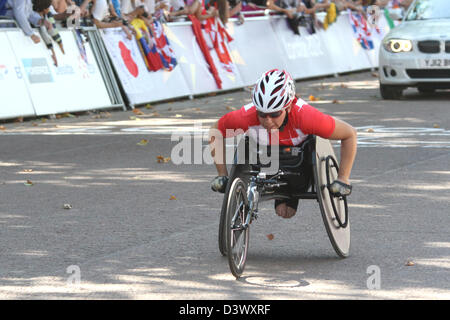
(135, 228)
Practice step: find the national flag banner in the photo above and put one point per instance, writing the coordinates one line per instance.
(163, 46)
(147, 46)
(218, 38)
(361, 30)
(197, 29)
(143, 74)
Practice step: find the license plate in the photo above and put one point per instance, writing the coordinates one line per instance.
(435, 63)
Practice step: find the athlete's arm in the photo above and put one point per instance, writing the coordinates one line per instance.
(217, 145)
(347, 134)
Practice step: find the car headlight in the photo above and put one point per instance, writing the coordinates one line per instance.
(397, 45)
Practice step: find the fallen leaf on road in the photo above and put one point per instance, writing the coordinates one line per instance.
(166, 159)
(231, 108)
(313, 98)
(148, 106)
(436, 125)
(178, 116)
(270, 236)
(410, 263)
(196, 109)
(143, 142)
(370, 130)
(173, 198)
(160, 159)
(19, 119)
(27, 170)
(2, 128)
(34, 124)
(29, 183)
(138, 112)
(335, 101)
(155, 114)
(344, 85)
(67, 206)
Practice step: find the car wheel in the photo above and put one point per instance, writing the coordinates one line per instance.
(390, 92)
(426, 90)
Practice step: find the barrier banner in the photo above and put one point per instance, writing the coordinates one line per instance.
(142, 85)
(307, 54)
(15, 100)
(75, 84)
(345, 51)
(255, 48)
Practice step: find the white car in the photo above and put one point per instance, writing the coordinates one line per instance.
(416, 53)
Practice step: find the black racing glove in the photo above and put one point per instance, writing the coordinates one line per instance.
(219, 184)
(339, 189)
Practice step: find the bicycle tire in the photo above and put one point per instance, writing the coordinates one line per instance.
(237, 238)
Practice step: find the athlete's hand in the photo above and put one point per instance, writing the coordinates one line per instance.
(339, 188)
(219, 184)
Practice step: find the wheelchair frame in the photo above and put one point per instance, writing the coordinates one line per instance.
(334, 210)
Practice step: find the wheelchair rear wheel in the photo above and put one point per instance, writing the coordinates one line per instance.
(334, 209)
(236, 234)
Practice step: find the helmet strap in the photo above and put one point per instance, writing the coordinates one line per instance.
(286, 118)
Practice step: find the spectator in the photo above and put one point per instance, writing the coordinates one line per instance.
(194, 7)
(322, 5)
(295, 11)
(225, 13)
(134, 9)
(61, 6)
(22, 12)
(157, 8)
(51, 32)
(288, 7)
(130, 9)
(105, 16)
(254, 5)
(65, 10)
(84, 6)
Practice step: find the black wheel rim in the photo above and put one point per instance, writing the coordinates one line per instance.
(334, 198)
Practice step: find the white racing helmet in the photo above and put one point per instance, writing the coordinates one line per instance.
(274, 91)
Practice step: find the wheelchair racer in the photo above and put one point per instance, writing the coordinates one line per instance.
(275, 107)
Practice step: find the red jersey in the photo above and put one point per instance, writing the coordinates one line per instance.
(303, 120)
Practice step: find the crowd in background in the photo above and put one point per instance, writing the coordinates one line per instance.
(119, 13)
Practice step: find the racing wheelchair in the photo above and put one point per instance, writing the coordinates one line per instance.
(313, 162)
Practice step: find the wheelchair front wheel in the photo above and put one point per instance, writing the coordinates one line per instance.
(237, 234)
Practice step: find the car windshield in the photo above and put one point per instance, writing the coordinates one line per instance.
(429, 9)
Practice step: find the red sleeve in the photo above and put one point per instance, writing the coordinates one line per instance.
(238, 119)
(312, 121)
